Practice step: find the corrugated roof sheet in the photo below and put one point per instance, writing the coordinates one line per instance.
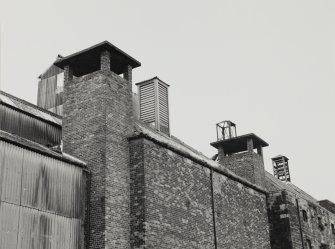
(11, 138)
(273, 184)
(30, 108)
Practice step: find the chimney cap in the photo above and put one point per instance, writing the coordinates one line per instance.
(88, 60)
(239, 143)
(279, 157)
(149, 80)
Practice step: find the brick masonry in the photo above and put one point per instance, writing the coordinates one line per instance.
(174, 202)
(241, 217)
(248, 165)
(97, 119)
(142, 194)
(298, 223)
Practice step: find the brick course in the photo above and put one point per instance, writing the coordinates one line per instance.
(172, 201)
(97, 119)
(248, 165)
(291, 228)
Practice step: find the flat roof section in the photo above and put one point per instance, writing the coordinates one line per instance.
(239, 144)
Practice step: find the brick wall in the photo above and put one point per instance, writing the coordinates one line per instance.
(248, 165)
(173, 200)
(280, 234)
(317, 224)
(241, 217)
(295, 222)
(96, 122)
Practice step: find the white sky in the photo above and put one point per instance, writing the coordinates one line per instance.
(269, 66)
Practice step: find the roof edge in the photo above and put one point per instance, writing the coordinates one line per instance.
(32, 146)
(211, 165)
(62, 62)
(253, 135)
(30, 104)
(153, 78)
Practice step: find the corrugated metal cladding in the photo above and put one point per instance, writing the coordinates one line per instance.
(29, 108)
(26, 228)
(154, 104)
(23, 125)
(50, 91)
(42, 200)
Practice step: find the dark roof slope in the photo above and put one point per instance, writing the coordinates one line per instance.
(29, 108)
(273, 185)
(330, 206)
(88, 60)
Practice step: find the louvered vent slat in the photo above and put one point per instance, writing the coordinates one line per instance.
(154, 104)
(147, 103)
(163, 105)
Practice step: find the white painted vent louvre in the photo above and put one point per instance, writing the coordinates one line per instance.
(154, 104)
(163, 107)
(147, 103)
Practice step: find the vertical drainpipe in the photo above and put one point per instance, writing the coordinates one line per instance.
(300, 227)
(213, 209)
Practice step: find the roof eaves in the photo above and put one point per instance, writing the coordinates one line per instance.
(56, 119)
(142, 131)
(30, 145)
(62, 62)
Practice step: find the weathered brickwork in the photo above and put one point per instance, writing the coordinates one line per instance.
(172, 201)
(96, 122)
(317, 224)
(299, 223)
(176, 199)
(248, 165)
(240, 214)
(280, 235)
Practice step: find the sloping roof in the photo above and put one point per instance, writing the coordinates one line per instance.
(30, 145)
(173, 143)
(273, 185)
(88, 60)
(29, 108)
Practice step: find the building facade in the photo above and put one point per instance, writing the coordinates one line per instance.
(109, 174)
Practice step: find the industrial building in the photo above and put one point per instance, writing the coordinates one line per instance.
(94, 165)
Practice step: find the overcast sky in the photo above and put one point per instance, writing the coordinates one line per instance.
(269, 66)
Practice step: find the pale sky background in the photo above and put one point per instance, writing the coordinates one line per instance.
(269, 66)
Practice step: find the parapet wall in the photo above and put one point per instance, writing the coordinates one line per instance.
(179, 203)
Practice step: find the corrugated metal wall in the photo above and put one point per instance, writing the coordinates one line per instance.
(42, 201)
(23, 125)
(50, 91)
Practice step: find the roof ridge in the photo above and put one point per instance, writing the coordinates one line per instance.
(30, 104)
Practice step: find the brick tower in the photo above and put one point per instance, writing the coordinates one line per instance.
(241, 154)
(97, 118)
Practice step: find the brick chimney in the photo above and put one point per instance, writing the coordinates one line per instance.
(241, 154)
(97, 118)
